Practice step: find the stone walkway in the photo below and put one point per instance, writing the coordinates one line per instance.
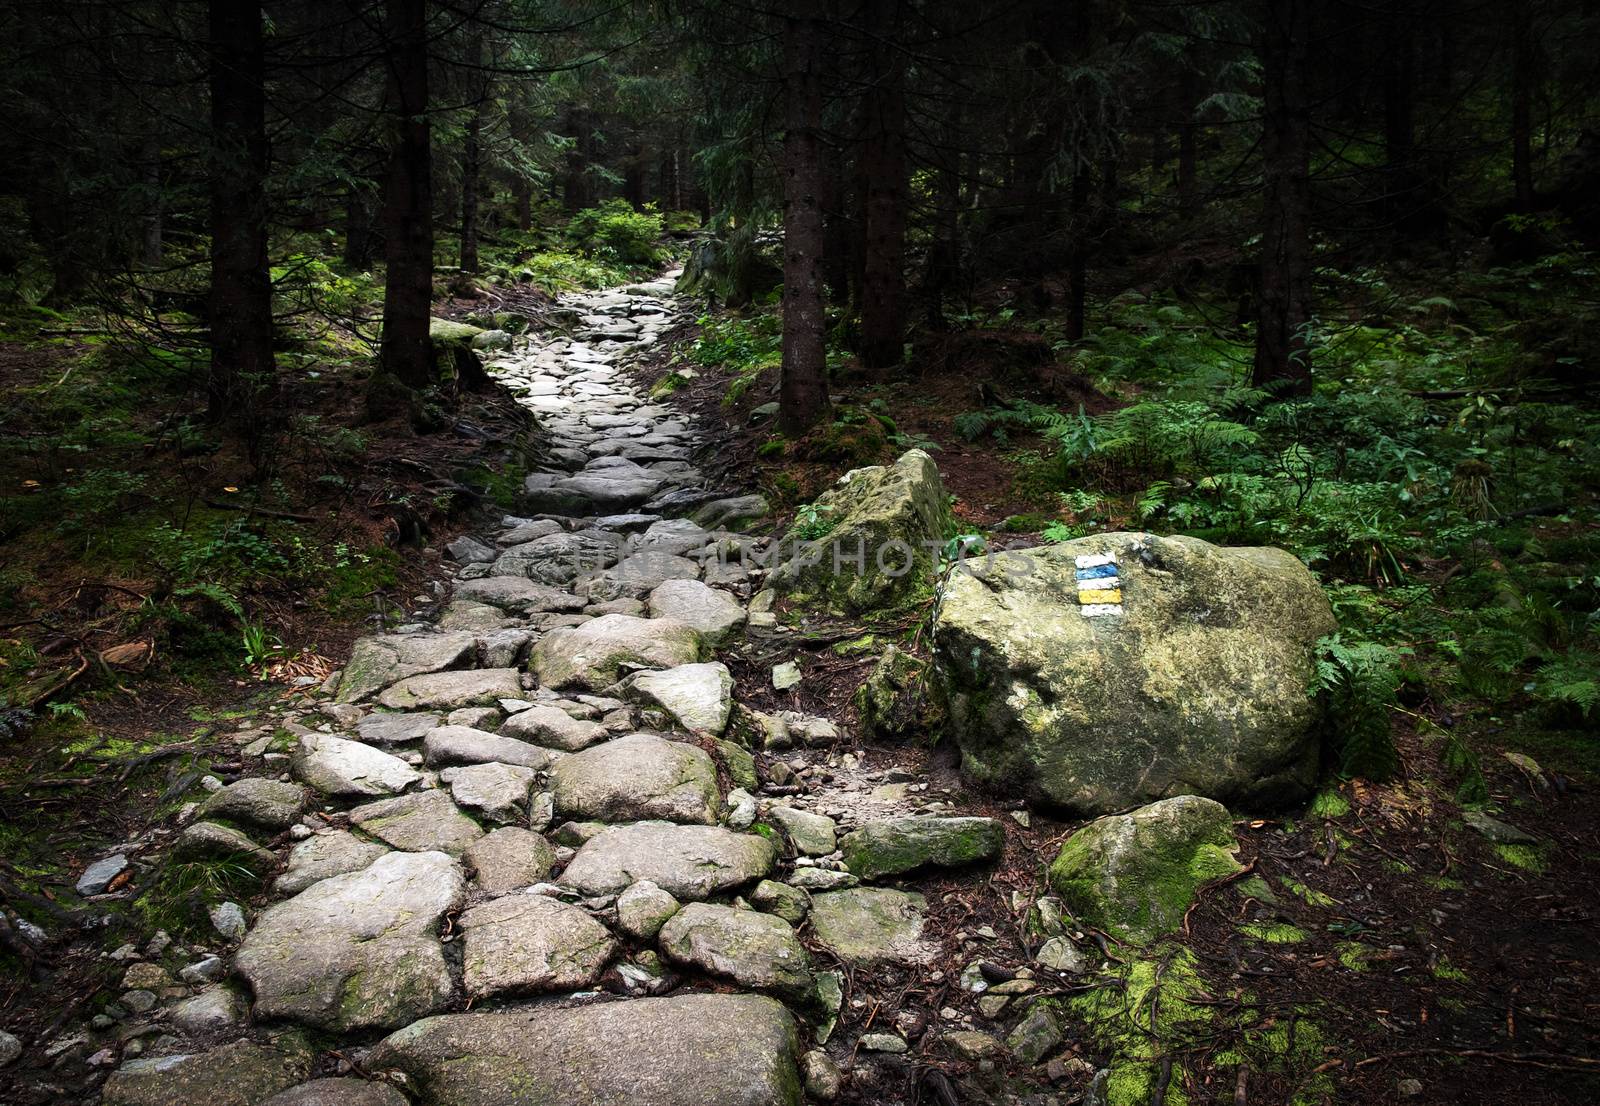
(539, 852)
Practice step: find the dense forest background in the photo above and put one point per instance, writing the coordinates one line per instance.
(1314, 275)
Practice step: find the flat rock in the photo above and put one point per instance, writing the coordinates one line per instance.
(639, 776)
(463, 614)
(98, 876)
(338, 1092)
(872, 925)
(560, 558)
(239, 1074)
(524, 944)
(466, 745)
(674, 535)
(338, 766)
(212, 1011)
(509, 858)
(896, 846)
(638, 575)
(554, 728)
(210, 841)
(395, 729)
(735, 513)
(497, 791)
(449, 690)
(754, 950)
(687, 862)
(468, 550)
(713, 612)
(684, 1050)
(699, 696)
(812, 834)
(358, 951)
(378, 661)
(594, 655)
(324, 856)
(273, 804)
(643, 909)
(424, 822)
(518, 595)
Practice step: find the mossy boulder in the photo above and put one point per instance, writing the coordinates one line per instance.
(453, 352)
(886, 525)
(893, 703)
(1136, 874)
(1193, 681)
(242, 1073)
(896, 846)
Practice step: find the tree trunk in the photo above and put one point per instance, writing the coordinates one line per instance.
(360, 237)
(472, 159)
(522, 197)
(1283, 357)
(1078, 262)
(1402, 198)
(150, 231)
(1188, 136)
(883, 300)
(803, 394)
(241, 283)
(1522, 82)
(407, 353)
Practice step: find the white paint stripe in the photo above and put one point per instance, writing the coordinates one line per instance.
(1104, 583)
(1094, 560)
(1090, 610)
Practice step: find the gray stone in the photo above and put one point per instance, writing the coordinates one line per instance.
(474, 718)
(324, 856)
(523, 944)
(424, 822)
(204, 971)
(337, 766)
(789, 903)
(636, 576)
(867, 926)
(639, 776)
(510, 858)
(1059, 954)
(673, 535)
(10, 1049)
(560, 558)
(753, 949)
(812, 834)
(468, 550)
(699, 696)
(502, 649)
(529, 530)
(686, 1050)
(462, 614)
(227, 918)
(273, 804)
(822, 1076)
(210, 841)
(376, 662)
(594, 655)
(1035, 1035)
(98, 876)
(716, 614)
(896, 846)
(882, 1042)
(736, 513)
(213, 1010)
(395, 729)
(1493, 829)
(498, 791)
(688, 862)
(1196, 687)
(553, 727)
(240, 1074)
(449, 690)
(518, 595)
(358, 951)
(643, 909)
(465, 745)
(338, 1092)
(822, 879)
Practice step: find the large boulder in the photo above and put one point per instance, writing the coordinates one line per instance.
(1136, 874)
(639, 776)
(337, 766)
(716, 614)
(239, 1074)
(687, 862)
(698, 696)
(754, 950)
(685, 1050)
(595, 654)
(866, 926)
(522, 944)
(887, 524)
(358, 951)
(1156, 667)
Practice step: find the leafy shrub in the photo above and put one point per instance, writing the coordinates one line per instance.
(615, 231)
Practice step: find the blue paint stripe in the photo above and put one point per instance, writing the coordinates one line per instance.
(1098, 572)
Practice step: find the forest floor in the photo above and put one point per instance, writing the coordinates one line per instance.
(1379, 950)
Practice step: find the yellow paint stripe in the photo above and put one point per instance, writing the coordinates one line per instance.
(1108, 595)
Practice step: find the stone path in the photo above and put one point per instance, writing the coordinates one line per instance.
(548, 804)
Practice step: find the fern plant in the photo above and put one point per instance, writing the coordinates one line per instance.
(1361, 680)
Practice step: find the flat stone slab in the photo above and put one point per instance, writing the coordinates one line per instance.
(426, 821)
(239, 1074)
(524, 944)
(324, 856)
(698, 696)
(715, 613)
(378, 661)
(560, 558)
(812, 834)
(896, 846)
(752, 949)
(358, 951)
(554, 728)
(338, 1092)
(396, 729)
(338, 766)
(509, 858)
(640, 776)
(638, 575)
(594, 655)
(271, 804)
(498, 792)
(685, 1050)
(467, 745)
(449, 690)
(687, 862)
(518, 595)
(872, 925)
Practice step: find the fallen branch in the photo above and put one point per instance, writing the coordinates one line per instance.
(1553, 1060)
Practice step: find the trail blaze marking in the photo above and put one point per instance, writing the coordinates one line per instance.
(1099, 585)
